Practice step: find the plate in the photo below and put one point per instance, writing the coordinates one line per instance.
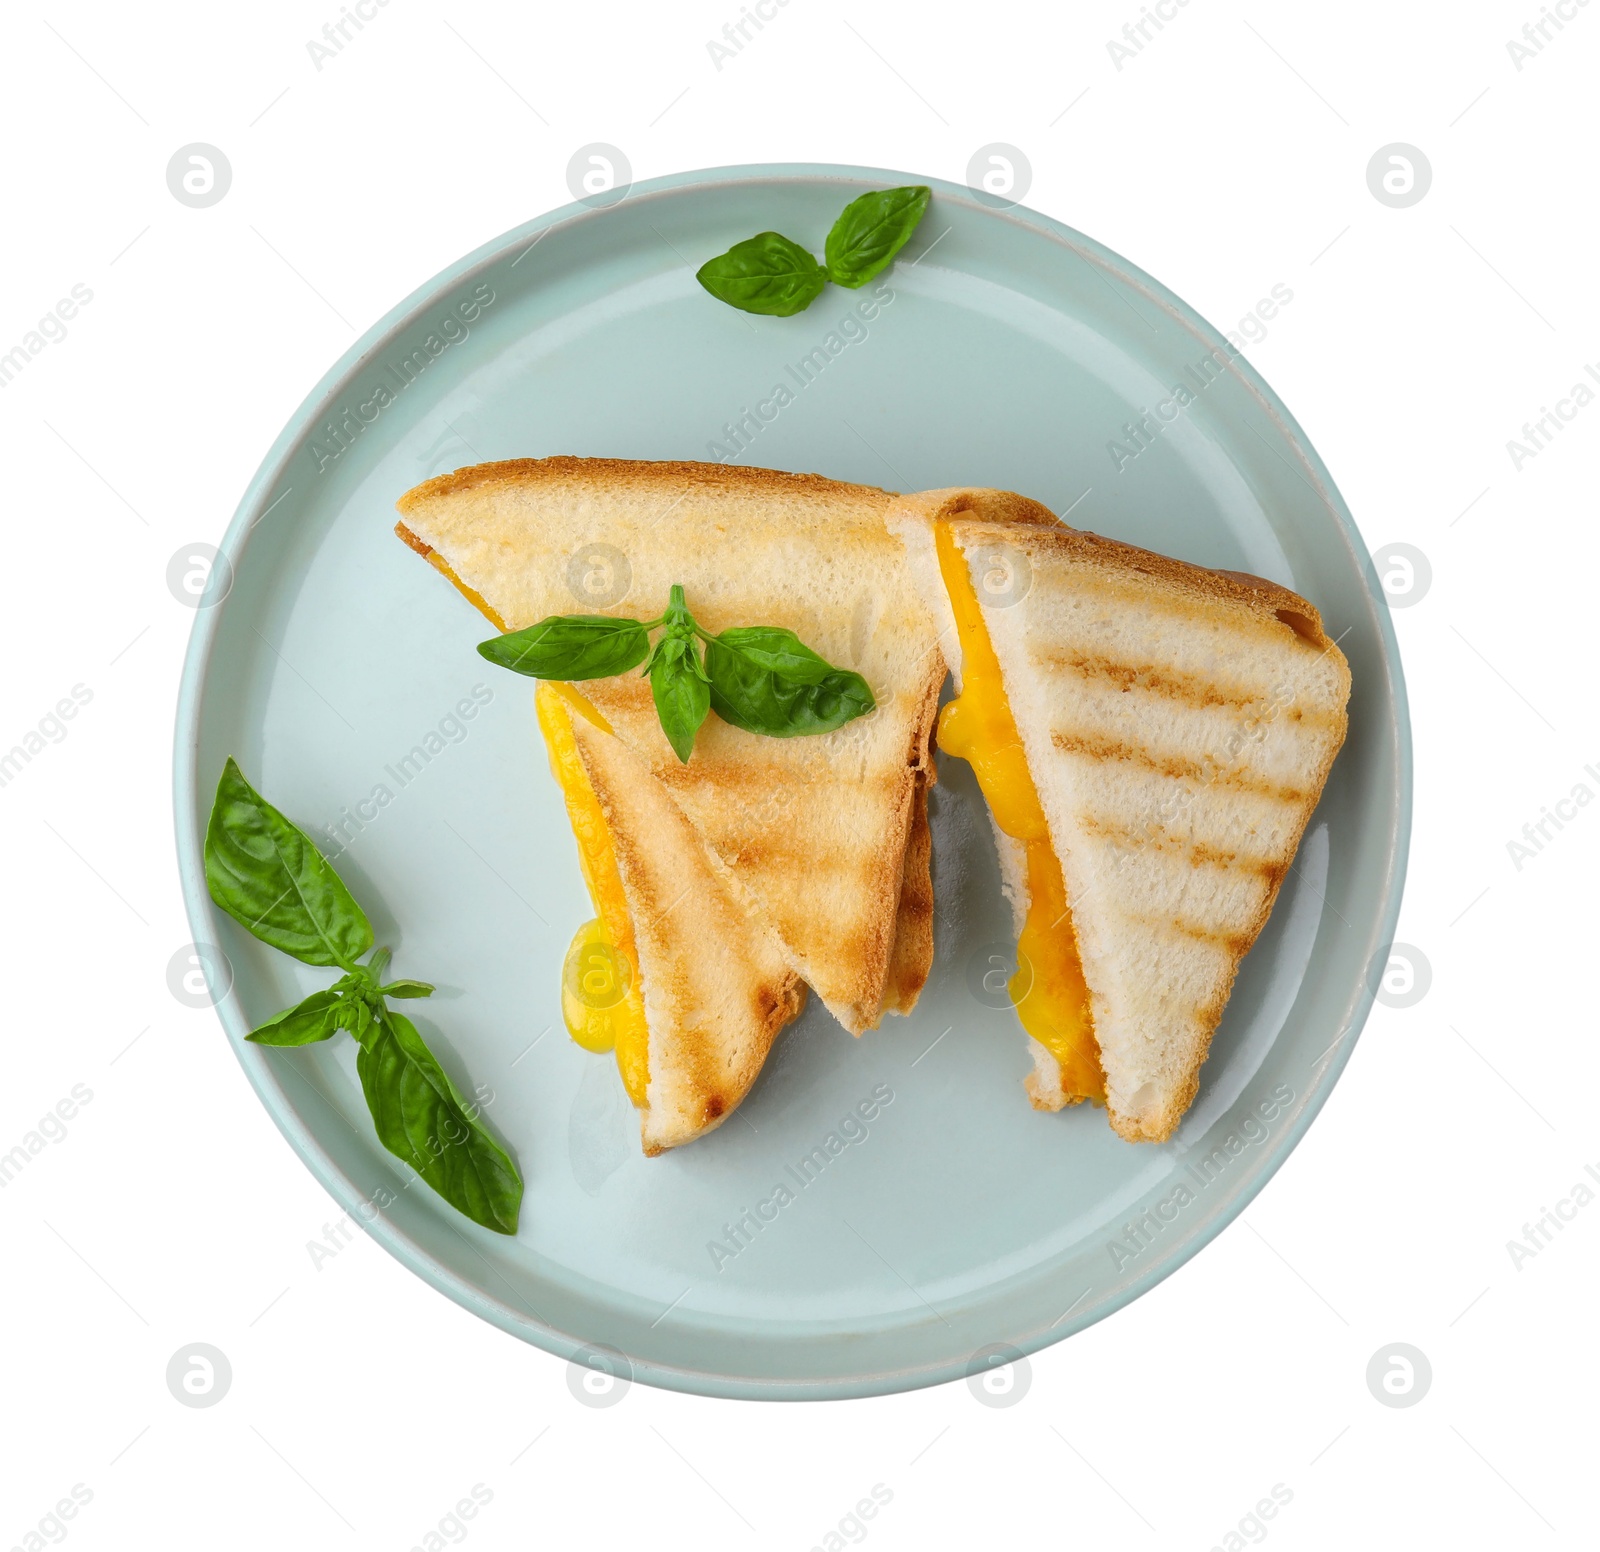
(957, 1228)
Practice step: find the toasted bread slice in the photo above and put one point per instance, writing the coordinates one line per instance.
(911, 957)
(716, 984)
(1179, 725)
(809, 833)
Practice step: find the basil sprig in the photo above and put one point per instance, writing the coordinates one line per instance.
(770, 274)
(761, 678)
(267, 874)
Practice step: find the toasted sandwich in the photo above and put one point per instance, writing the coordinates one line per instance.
(1151, 738)
(820, 842)
(672, 974)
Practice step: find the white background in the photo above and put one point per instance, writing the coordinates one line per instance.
(1228, 155)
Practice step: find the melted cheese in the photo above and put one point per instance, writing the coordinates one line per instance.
(1051, 996)
(602, 1002)
(601, 997)
(472, 595)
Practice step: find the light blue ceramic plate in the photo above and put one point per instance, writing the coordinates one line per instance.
(1009, 352)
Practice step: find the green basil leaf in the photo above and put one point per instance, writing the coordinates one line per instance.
(681, 693)
(764, 274)
(746, 692)
(360, 1018)
(423, 1118)
(266, 874)
(316, 1018)
(871, 230)
(778, 651)
(656, 653)
(570, 647)
(404, 988)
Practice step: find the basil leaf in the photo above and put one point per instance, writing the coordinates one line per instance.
(359, 1016)
(570, 647)
(778, 651)
(422, 1118)
(316, 1018)
(747, 692)
(764, 274)
(405, 988)
(681, 693)
(871, 230)
(266, 874)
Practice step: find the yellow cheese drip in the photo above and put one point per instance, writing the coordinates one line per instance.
(1051, 996)
(472, 595)
(601, 999)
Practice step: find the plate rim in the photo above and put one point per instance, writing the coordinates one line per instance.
(188, 806)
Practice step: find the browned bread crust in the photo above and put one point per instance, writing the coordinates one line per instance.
(1178, 777)
(661, 474)
(809, 833)
(1180, 724)
(911, 958)
(716, 987)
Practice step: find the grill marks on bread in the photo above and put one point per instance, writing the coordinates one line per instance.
(778, 817)
(1179, 724)
(1185, 730)
(717, 989)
